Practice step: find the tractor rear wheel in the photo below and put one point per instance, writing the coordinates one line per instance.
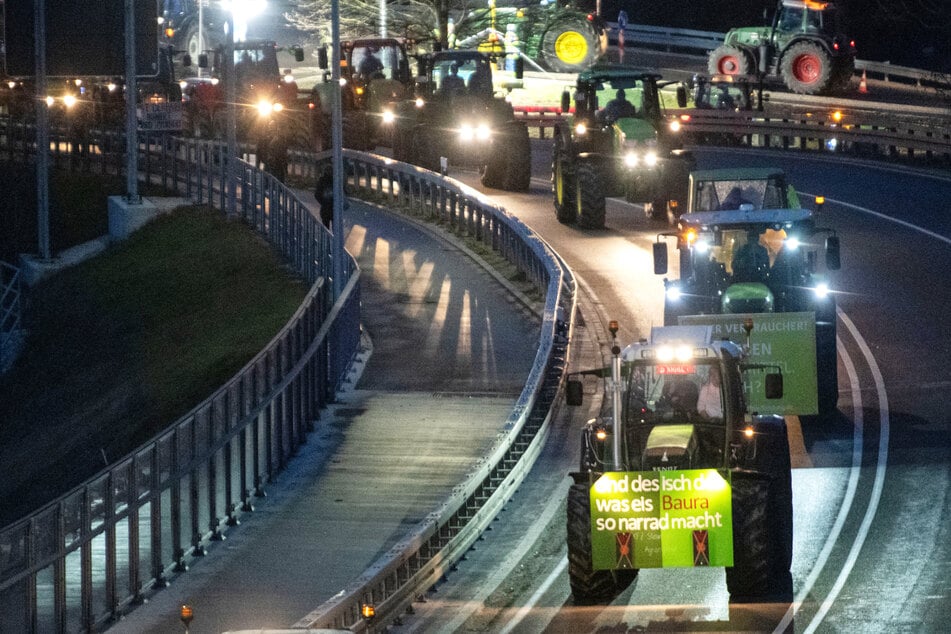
(729, 60)
(589, 586)
(425, 149)
(589, 195)
(570, 46)
(807, 69)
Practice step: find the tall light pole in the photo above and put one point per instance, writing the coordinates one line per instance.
(42, 134)
(336, 158)
(131, 95)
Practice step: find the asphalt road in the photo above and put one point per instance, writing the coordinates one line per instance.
(872, 489)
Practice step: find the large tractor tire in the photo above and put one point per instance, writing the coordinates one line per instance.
(843, 69)
(518, 154)
(356, 133)
(493, 173)
(729, 60)
(563, 183)
(194, 46)
(570, 46)
(763, 525)
(807, 69)
(827, 371)
(589, 586)
(403, 144)
(426, 148)
(589, 195)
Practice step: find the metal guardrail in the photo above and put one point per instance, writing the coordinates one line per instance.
(872, 135)
(10, 313)
(75, 564)
(700, 42)
(431, 548)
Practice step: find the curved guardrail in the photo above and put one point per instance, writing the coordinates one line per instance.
(427, 552)
(10, 313)
(75, 564)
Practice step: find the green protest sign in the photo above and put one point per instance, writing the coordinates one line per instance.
(661, 519)
(786, 340)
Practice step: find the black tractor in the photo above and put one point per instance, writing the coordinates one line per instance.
(458, 118)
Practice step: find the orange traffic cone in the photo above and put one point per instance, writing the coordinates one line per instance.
(863, 84)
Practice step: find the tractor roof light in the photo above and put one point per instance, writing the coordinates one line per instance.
(690, 236)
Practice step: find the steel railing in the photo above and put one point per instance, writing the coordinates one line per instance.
(10, 313)
(81, 560)
(432, 547)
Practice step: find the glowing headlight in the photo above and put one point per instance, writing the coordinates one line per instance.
(702, 246)
(388, 117)
(675, 126)
(265, 107)
(420, 102)
(673, 293)
(821, 290)
(581, 129)
(288, 79)
(482, 132)
(630, 159)
(792, 243)
(466, 132)
(49, 101)
(69, 101)
(650, 159)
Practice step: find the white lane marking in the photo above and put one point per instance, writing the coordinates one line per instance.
(882, 216)
(530, 604)
(847, 500)
(877, 487)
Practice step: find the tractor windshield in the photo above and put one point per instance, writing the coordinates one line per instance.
(463, 75)
(378, 61)
(673, 393)
(721, 195)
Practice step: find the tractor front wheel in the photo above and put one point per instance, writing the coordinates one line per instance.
(589, 586)
(570, 47)
(729, 60)
(589, 195)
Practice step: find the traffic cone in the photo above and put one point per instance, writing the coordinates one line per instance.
(863, 84)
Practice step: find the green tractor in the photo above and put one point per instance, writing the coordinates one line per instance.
(558, 36)
(681, 473)
(375, 75)
(597, 155)
(457, 116)
(804, 46)
(739, 258)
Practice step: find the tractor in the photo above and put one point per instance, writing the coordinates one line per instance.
(638, 156)
(681, 472)
(375, 75)
(804, 46)
(738, 257)
(458, 116)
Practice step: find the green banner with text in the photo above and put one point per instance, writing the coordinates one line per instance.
(661, 519)
(786, 340)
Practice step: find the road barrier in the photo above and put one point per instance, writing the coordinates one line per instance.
(10, 313)
(78, 562)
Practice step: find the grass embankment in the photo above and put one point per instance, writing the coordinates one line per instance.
(124, 344)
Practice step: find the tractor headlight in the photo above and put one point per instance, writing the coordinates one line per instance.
(821, 290)
(630, 159)
(581, 129)
(420, 102)
(69, 101)
(388, 117)
(673, 293)
(482, 132)
(466, 132)
(675, 125)
(265, 108)
(650, 159)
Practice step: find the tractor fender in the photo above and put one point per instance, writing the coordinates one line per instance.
(821, 43)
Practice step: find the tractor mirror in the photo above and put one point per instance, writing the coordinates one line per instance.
(763, 59)
(681, 96)
(574, 392)
(202, 60)
(565, 102)
(660, 258)
(774, 385)
(323, 62)
(186, 60)
(833, 262)
(299, 53)
(519, 67)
